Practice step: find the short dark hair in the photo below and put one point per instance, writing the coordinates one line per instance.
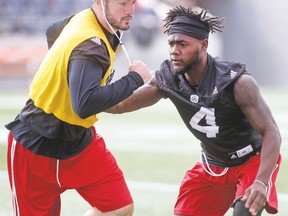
(212, 22)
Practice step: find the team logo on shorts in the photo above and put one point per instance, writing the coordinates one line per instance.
(194, 98)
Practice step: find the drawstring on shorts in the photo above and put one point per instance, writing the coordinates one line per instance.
(209, 170)
(57, 172)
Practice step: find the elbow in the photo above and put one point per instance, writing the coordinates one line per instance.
(116, 109)
(279, 137)
(81, 114)
(276, 137)
(277, 134)
(85, 111)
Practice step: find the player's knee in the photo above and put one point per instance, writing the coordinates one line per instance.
(126, 211)
(241, 210)
(93, 212)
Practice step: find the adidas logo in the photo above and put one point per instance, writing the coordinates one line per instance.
(215, 91)
(96, 40)
(232, 74)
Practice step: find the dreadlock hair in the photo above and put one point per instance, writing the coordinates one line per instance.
(213, 23)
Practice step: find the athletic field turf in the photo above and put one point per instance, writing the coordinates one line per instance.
(153, 148)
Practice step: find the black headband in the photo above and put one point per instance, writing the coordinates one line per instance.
(189, 26)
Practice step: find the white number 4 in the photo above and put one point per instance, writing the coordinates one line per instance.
(209, 114)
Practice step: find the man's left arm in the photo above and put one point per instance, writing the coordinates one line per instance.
(252, 104)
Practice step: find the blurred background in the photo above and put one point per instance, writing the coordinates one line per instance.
(152, 145)
(255, 34)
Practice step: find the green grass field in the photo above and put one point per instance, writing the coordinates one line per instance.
(153, 148)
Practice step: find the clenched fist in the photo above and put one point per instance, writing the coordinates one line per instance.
(142, 69)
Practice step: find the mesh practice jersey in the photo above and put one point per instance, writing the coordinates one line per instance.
(211, 113)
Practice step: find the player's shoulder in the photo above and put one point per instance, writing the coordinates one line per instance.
(246, 81)
(92, 46)
(228, 68)
(246, 89)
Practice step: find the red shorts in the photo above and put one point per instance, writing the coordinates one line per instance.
(37, 181)
(205, 195)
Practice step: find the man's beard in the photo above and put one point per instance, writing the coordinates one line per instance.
(188, 67)
(115, 24)
(185, 69)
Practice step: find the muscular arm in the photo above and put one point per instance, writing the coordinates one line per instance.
(253, 106)
(144, 96)
(248, 97)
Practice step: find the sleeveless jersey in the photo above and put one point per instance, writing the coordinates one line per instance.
(49, 89)
(211, 113)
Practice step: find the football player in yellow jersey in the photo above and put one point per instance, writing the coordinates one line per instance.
(53, 143)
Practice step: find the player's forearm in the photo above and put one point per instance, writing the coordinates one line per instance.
(124, 106)
(271, 143)
(88, 96)
(145, 96)
(105, 97)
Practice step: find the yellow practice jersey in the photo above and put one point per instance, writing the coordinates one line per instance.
(49, 89)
